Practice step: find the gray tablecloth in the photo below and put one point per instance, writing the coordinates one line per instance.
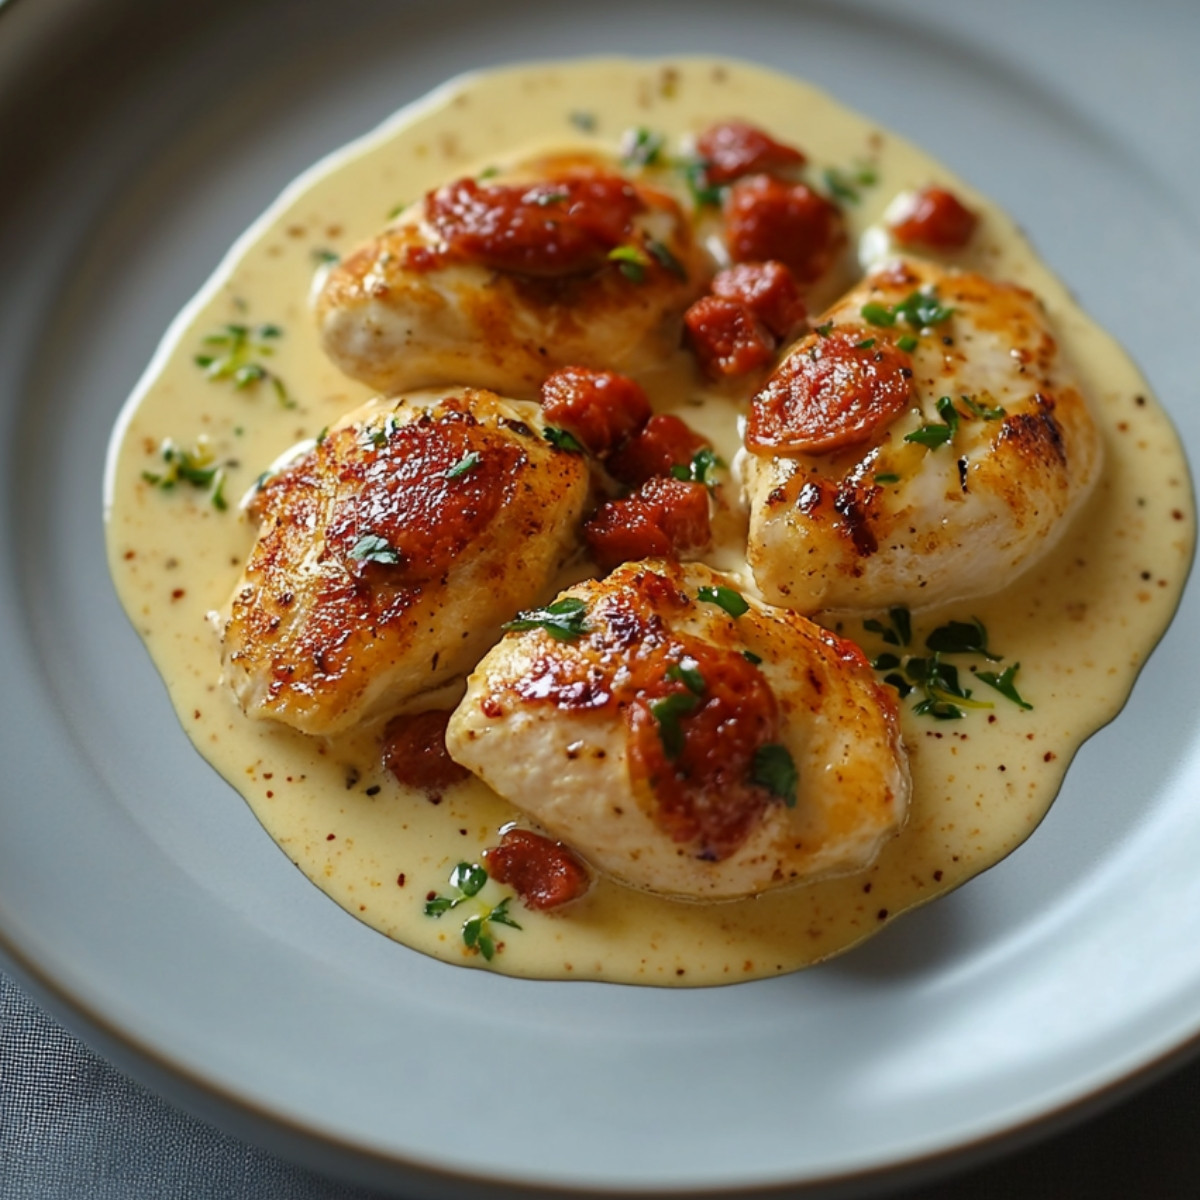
(72, 1127)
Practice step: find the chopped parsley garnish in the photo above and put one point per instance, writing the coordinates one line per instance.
(642, 147)
(631, 262)
(899, 630)
(325, 257)
(235, 351)
(938, 433)
(775, 769)
(563, 620)
(961, 637)
(468, 462)
(695, 174)
(865, 344)
(985, 412)
(667, 713)
(845, 185)
(921, 310)
(885, 477)
(907, 343)
(702, 469)
(1003, 683)
(585, 122)
(824, 330)
(560, 439)
(373, 548)
(687, 672)
(468, 880)
(751, 657)
(734, 603)
(662, 254)
(942, 692)
(197, 467)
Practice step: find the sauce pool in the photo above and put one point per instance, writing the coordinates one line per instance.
(1080, 623)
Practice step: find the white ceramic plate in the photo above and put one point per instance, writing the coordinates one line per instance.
(139, 897)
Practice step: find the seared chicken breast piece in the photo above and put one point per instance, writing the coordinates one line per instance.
(924, 443)
(390, 553)
(687, 739)
(495, 283)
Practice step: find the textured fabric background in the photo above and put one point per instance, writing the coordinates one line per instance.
(74, 1128)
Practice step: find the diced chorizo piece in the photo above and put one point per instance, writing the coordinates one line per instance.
(680, 509)
(665, 441)
(544, 873)
(769, 290)
(767, 218)
(935, 218)
(414, 751)
(830, 392)
(728, 339)
(625, 531)
(736, 148)
(560, 227)
(664, 518)
(601, 408)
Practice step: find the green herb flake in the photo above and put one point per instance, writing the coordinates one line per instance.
(667, 712)
(930, 436)
(695, 174)
(985, 412)
(961, 637)
(907, 343)
(775, 770)
(468, 462)
(325, 257)
(545, 199)
(468, 879)
(642, 147)
(237, 350)
(560, 439)
(631, 262)
(661, 253)
(734, 603)
(687, 672)
(196, 467)
(865, 344)
(751, 657)
(1003, 683)
(898, 632)
(564, 620)
(702, 469)
(373, 548)
(585, 122)
(877, 314)
(886, 477)
(824, 330)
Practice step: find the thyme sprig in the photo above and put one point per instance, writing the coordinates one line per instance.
(235, 356)
(468, 880)
(197, 467)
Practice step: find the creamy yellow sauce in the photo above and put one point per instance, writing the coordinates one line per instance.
(1080, 624)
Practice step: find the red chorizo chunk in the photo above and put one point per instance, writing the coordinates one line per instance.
(665, 441)
(728, 339)
(414, 751)
(662, 519)
(830, 392)
(601, 408)
(767, 219)
(736, 148)
(544, 873)
(769, 290)
(936, 218)
(559, 227)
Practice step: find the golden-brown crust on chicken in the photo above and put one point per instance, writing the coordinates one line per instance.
(390, 553)
(947, 492)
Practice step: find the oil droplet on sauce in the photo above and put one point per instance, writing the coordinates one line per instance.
(1080, 623)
